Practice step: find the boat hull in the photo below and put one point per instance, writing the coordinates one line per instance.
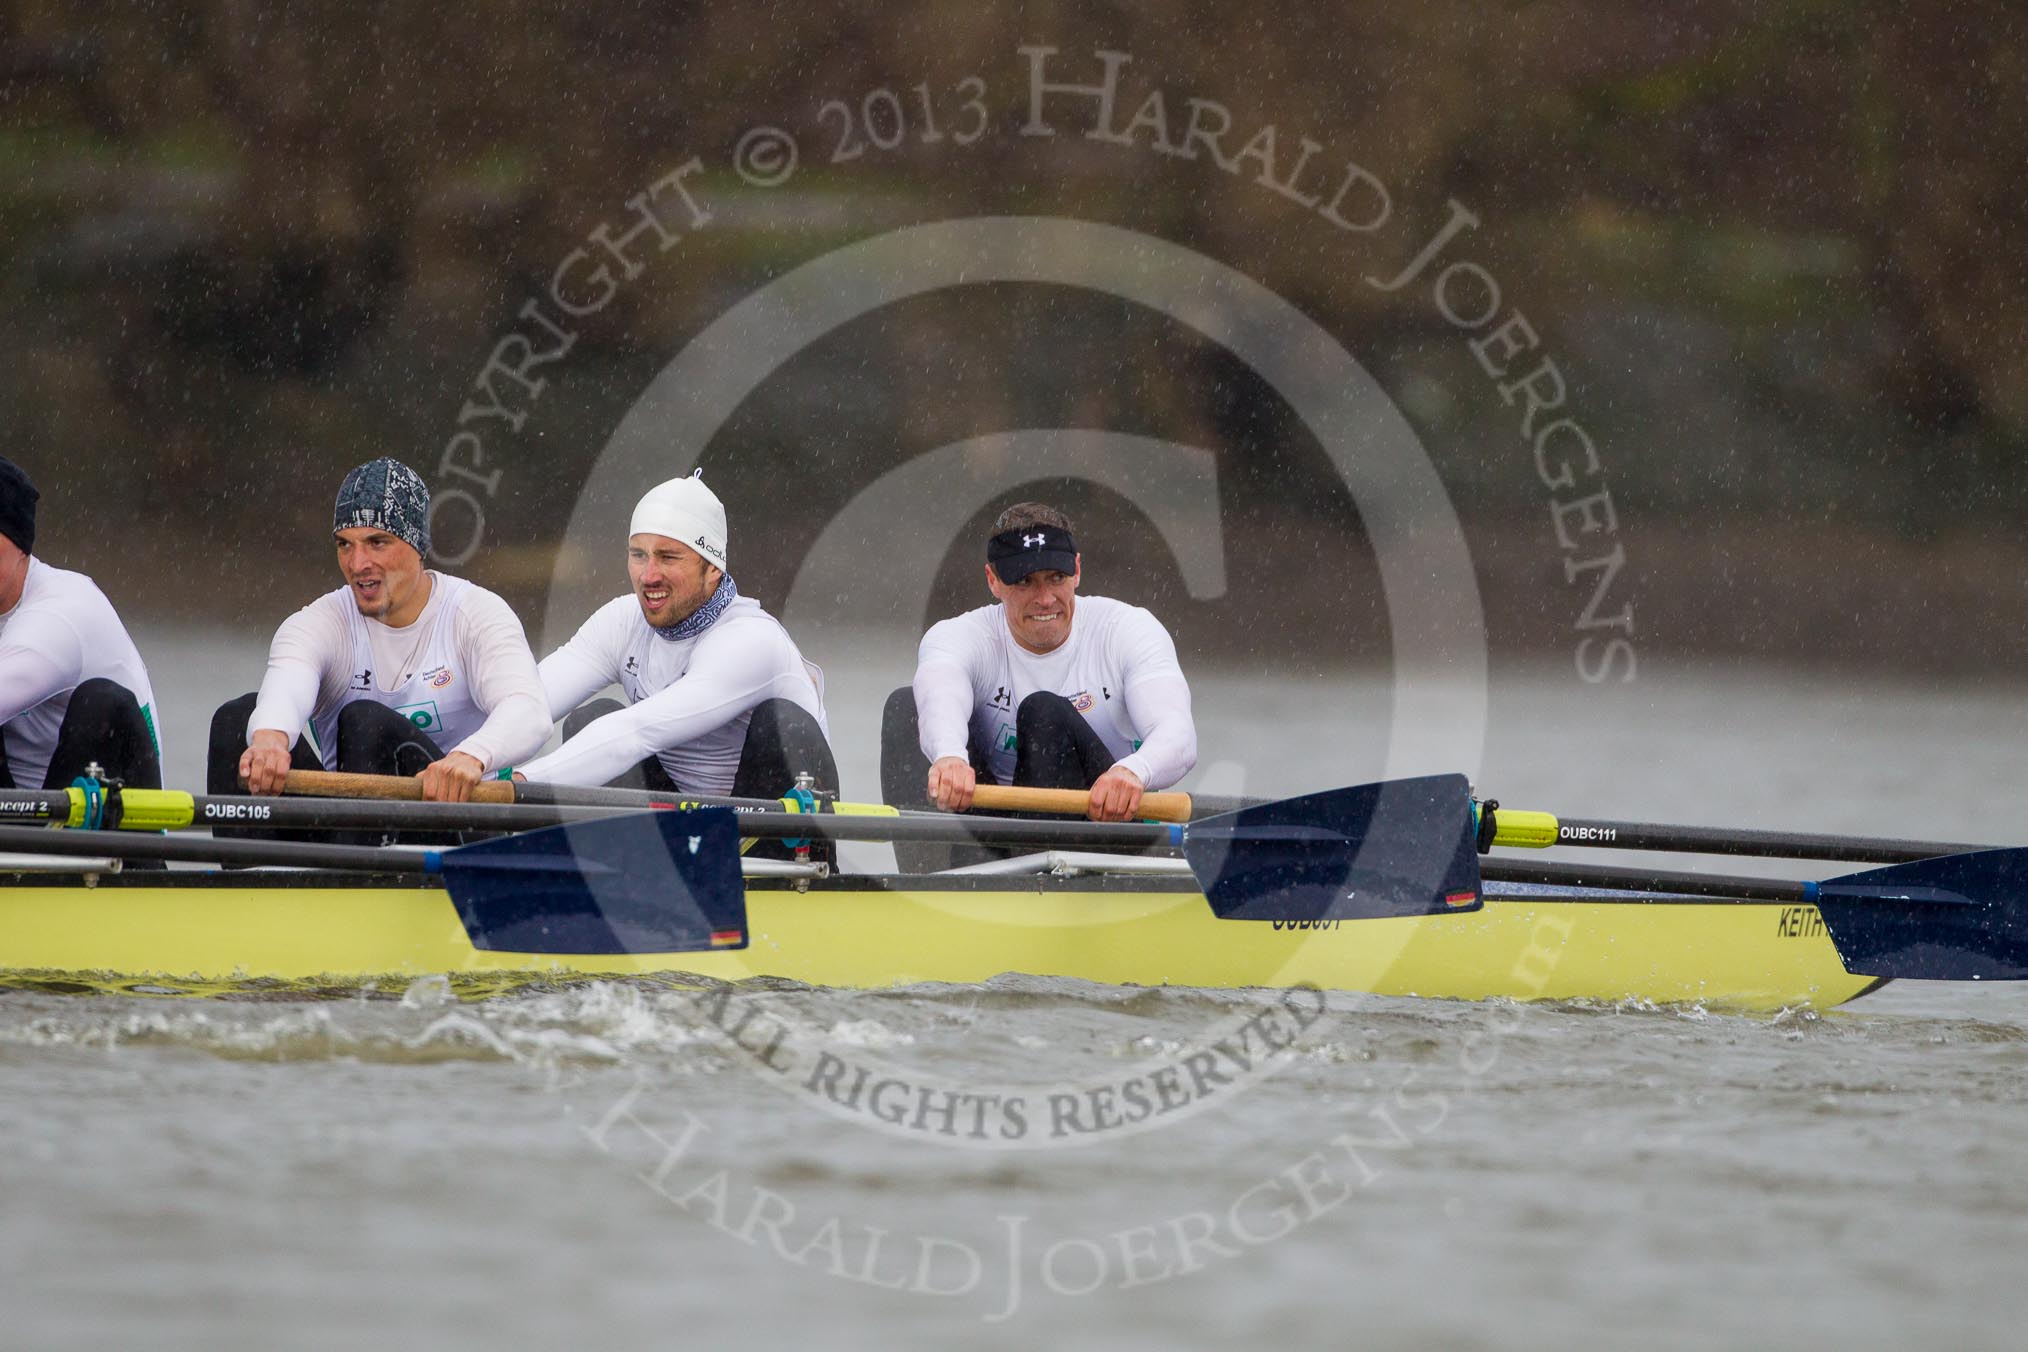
(1534, 944)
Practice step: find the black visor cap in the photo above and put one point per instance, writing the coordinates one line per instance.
(1014, 554)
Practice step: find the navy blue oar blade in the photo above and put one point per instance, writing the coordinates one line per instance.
(1963, 917)
(1400, 848)
(648, 882)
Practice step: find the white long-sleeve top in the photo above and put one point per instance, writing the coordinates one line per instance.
(461, 670)
(1118, 668)
(62, 632)
(689, 701)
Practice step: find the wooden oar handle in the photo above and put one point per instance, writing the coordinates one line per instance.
(1162, 807)
(394, 788)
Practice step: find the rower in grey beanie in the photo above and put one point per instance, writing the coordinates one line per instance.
(386, 495)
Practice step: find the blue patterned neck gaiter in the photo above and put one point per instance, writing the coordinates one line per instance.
(705, 615)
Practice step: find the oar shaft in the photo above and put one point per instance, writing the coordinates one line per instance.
(170, 809)
(633, 800)
(1539, 830)
(1618, 835)
(765, 820)
(380, 809)
(758, 817)
(198, 850)
(961, 830)
(1644, 880)
(36, 805)
(297, 814)
(765, 825)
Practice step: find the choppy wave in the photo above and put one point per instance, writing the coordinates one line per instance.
(988, 1028)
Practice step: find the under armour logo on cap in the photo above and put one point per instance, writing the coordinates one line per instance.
(1014, 554)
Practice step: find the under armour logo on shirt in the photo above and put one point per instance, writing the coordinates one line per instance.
(1033, 541)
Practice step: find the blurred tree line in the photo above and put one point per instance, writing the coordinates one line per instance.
(1775, 244)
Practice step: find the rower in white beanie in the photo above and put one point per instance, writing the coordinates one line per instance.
(686, 511)
(718, 698)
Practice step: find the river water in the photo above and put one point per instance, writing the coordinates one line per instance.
(598, 1161)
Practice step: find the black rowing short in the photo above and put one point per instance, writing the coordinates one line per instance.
(1056, 749)
(372, 740)
(102, 723)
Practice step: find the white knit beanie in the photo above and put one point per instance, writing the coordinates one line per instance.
(687, 512)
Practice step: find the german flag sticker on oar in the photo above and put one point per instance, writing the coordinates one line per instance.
(1405, 847)
(645, 882)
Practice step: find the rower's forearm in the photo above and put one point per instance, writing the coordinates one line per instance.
(1168, 750)
(569, 678)
(943, 708)
(513, 732)
(287, 699)
(27, 678)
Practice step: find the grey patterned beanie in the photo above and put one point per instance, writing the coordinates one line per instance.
(386, 495)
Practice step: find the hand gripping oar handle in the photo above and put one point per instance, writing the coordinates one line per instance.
(1161, 807)
(391, 788)
(397, 788)
(1167, 807)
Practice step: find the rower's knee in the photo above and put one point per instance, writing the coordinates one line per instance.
(102, 698)
(783, 733)
(897, 716)
(584, 715)
(1056, 747)
(903, 767)
(104, 725)
(228, 724)
(227, 744)
(784, 740)
(374, 739)
(1044, 712)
